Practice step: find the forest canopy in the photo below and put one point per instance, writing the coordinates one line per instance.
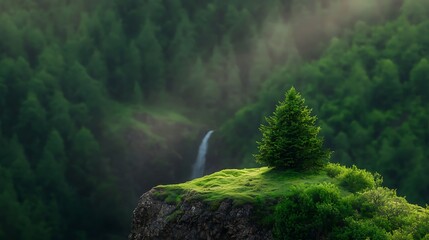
(102, 100)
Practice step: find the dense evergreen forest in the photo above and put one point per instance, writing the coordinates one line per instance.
(97, 97)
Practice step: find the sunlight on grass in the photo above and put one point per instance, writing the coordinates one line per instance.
(246, 185)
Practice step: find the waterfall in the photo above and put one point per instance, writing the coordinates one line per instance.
(200, 162)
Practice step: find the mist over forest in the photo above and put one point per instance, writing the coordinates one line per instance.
(102, 100)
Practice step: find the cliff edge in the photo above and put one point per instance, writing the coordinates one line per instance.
(263, 203)
(156, 219)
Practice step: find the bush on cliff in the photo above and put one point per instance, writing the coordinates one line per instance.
(310, 213)
(322, 212)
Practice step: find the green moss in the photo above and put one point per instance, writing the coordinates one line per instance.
(249, 185)
(175, 215)
(172, 196)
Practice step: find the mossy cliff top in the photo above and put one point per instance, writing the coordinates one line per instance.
(334, 202)
(255, 184)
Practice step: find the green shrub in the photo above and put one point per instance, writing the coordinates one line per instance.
(310, 213)
(335, 169)
(359, 230)
(399, 235)
(323, 212)
(421, 229)
(384, 207)
(356, 180)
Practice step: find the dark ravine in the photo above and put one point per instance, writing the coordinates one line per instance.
(192, 219)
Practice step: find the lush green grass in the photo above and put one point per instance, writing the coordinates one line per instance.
(256, 184)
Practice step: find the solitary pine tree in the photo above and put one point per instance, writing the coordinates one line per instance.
(290, 139)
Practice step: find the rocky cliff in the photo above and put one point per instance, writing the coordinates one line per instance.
(335, 202)
(194, 219)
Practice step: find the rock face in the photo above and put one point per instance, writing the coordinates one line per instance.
(156, 219)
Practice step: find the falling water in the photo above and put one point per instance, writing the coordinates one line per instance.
(200, 162)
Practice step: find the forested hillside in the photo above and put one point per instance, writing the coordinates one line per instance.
(73, 75)
(102, 100)
(370, 91)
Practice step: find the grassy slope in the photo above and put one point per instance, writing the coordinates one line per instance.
(255, 184)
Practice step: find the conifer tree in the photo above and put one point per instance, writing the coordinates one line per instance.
(290, 140)
(260, 63)
(132, 69)
(59, 111)
(152, 59)
(51, 60)
(231, 83)
(31, 121)
(419, 79)
(387, 87)
(182, 49)
(137, 93)
(97, 68)
(3, 93)
(22, 174)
